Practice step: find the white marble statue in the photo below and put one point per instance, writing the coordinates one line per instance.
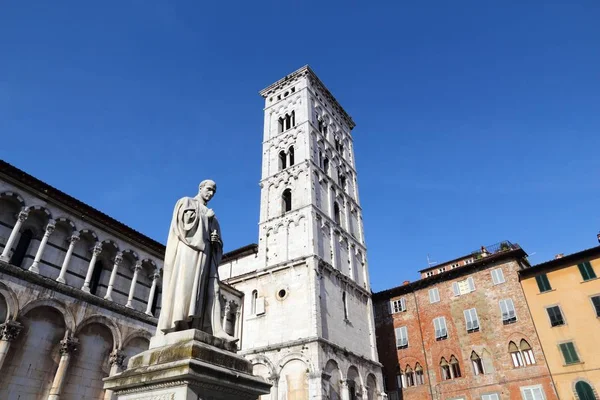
(190, 280)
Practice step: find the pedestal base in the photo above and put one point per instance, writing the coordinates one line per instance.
(187, 365)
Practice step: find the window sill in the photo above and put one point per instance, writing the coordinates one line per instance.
(589, 280)
(256, 316)
(557, 326)
(574, 363)
(547, 291)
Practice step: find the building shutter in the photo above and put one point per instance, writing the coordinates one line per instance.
(586, 270)
(569, 353)
(497, 276)
(456, 289)
(403, 304)
(471, 283)
(471, 320)
(543, 283)
(401, 337)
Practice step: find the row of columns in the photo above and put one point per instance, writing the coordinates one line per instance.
(68, 345)
(96, 250)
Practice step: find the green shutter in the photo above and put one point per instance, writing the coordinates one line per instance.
(543, 283)
(586, 270)
(569, 353)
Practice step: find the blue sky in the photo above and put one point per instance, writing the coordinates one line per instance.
(476, 121)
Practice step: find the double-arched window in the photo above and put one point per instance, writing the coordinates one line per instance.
(287, 121)
(522, 355)
(286, 159)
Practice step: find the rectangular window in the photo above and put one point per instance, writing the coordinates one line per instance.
(492, 396)
(401, 337)
(397, 306)
(587, 272)
(471, 320)
(507, 310)
(555, 315)
(569, 353)
(497, 276)
(456, 289)
(441, 331)
(596, 304)
(434, 295)
(543, 283)
(532, 393)
(463, 287)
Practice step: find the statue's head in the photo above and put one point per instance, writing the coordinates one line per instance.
(207, 189)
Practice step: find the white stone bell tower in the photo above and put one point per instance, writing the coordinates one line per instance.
(308, 324)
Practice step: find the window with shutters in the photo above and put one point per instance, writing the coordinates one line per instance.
(410, 376)
(507, 311)
(434, 295)
(439, 326)
(490, 396)
(401, 337)
(586, 270)
(555, 315)
(533, 393)
(463, 287)
(521, 356)
(398, 305)
(569, 354)
(445, 369)
(526, 352)
(543, 283)
(497, 276)
(584, 391)
(454, 368)
(477, 364)
(596, 304)
(471, 320)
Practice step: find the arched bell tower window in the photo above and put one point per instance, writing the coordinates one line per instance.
(336, 212)
(22, 247)
(282, 160)
(326, 165)
(291, 155)
(286, 200)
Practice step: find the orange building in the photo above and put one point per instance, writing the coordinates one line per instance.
(564, 300)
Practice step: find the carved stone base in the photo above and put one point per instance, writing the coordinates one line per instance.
(189, 365)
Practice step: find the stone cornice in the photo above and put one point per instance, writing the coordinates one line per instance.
(323, 265)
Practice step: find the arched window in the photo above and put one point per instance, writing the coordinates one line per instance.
(345, 306)
(419, 377)
(342, 181)
(326, 165)
(584, 391)
(445, 368)
(454, 367)
(286, 200)
(22, 247)
(96, 275)
(336, 212)
(527, 352)
(253, 299)
(410, 377)
(154, 304)
(477, 364)
(282, 158)
(288, 121)
(281, 124)
(291, 153)
(515, 354)
(293, 118)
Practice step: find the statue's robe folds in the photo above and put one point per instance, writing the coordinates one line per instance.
(188, 260)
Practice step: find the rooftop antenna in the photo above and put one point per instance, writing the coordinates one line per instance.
(430, 263)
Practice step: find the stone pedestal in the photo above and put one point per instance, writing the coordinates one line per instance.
(187, 365)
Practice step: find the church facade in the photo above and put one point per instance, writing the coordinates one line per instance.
(80, 291)
(308, 322)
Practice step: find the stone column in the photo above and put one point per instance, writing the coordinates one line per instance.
(88, 277)
(155, 278)
(352, 264)
(113, 275)
(116, 358)
(13, 235)
(38, 256)
(274, 380)
(238, 323)
(67, 346)
(65, 265)
(315, 385)
(345, 390)
(8, 332)
(136, 270)
(226, 312)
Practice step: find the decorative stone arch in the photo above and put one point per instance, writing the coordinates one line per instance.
(68, 316)
(40, 208)
(138, 333)
(262, 359)
(582, 379)
(13, 196)
(109, 323)
(106, 243)
(12, 302)
(353, 371)
(295, 356)
(372, 376)
(65, 221)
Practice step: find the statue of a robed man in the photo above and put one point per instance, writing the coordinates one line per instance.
(190, 275)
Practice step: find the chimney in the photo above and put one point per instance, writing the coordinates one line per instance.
(405, 282)
(559, 255)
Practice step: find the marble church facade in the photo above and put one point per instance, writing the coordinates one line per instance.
(80, 291)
